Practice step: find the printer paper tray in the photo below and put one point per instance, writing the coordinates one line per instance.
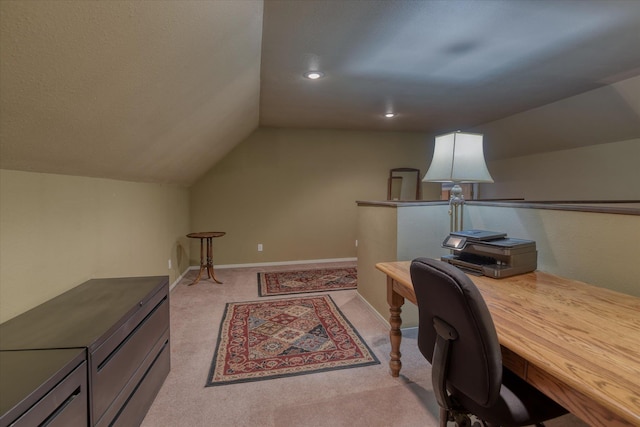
(463, 265)
(490, 270)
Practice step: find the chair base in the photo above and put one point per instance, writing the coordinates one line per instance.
(462, 419)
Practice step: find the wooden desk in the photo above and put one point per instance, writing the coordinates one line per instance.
(577, 343)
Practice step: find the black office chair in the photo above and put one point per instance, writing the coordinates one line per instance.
(457, 336)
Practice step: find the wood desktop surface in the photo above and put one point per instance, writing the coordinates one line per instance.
(577, 343)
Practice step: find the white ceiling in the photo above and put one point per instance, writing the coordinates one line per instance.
(160, 91)
(440, 65)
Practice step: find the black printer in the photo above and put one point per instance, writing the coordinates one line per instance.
(490, 253)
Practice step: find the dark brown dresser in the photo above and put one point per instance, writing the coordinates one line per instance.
(121, 329)
(43, 387)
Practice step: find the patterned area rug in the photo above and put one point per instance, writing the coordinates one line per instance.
(285, 337)
(302, 281)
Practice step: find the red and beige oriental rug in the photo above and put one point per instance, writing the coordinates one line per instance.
(303, 281)
(285, 337)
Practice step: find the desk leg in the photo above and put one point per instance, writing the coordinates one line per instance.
(395, 334)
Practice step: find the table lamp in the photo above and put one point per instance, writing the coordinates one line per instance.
(458, 158)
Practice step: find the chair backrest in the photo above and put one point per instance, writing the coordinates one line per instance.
(474, 360)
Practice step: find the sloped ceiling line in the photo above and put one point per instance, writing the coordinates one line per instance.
(160, 91)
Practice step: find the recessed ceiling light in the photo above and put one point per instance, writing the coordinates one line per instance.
(314, 75)
(390, 115)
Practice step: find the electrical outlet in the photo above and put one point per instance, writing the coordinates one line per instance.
(169, 264)
(259, 247)
(356, 243)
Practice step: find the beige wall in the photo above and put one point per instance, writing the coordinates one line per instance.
(597, 172)
(607, 114)
(377, 242)
(395, 234)
(295, 192)
(585, 147)
(598, 248)
(58, 231)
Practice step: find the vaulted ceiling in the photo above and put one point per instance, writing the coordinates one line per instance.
(160, 91)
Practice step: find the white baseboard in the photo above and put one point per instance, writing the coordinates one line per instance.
(374, 311)
(180, 277)
(381, 317)
(269, 264)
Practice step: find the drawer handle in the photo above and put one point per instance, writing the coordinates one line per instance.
(62, 406)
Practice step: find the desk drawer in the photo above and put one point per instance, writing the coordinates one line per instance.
(64, 405)
(118, 360)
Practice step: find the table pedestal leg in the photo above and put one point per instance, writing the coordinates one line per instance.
(202, 264)
(395, 334)
(210, 260)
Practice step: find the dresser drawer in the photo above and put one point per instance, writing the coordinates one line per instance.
(117, 327)
(139, 403)
(62, 406)
(120, 356)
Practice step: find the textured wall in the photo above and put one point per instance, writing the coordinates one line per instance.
(599, 131)
(377, 242)
(598, 172)
(597, 248)
(608, 114)
(152, 91)
(295, 192)
(58, 231)
(601, 249)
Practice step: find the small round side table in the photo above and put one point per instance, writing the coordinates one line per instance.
(206, 263)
